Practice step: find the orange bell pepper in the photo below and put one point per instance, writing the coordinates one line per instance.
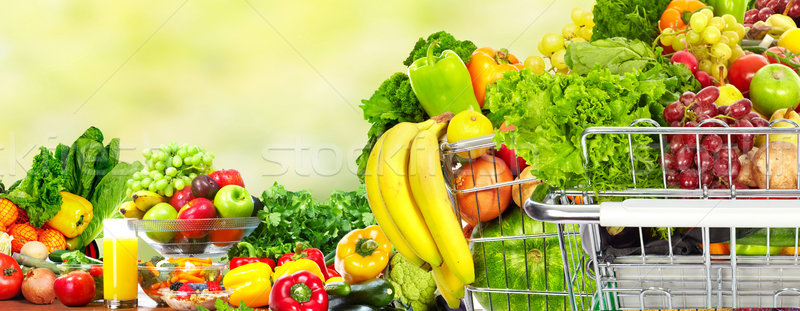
(673, 15)
(488, 65)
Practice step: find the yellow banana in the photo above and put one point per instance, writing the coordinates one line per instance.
(396, 192)
(144, 199)
(431, 195)
(379, 208)
(129, 210)
(451, 288)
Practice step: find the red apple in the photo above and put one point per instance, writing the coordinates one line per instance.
(180, 198)
(75, 289)
(199, 208)
(508, 155)
(227, 177)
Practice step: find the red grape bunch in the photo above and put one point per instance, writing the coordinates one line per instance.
(766, 8)
(690, 167)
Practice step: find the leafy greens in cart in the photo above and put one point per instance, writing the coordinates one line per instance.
(551, 112)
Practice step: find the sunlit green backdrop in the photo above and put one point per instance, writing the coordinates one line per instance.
(271, 87)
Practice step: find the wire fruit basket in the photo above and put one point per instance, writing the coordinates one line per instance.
(680, 271)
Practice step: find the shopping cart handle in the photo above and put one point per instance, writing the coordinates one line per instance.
(539, 206)
(672, 213)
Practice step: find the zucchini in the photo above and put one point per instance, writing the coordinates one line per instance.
(337, 288)
(375, 293)
(55, 256)
(755, 49)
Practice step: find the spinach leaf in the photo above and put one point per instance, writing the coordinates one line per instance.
(108, 194)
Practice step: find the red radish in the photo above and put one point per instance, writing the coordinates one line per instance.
(704, 78)
(686, 58)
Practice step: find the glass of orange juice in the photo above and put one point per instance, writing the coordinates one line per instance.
(120, 255)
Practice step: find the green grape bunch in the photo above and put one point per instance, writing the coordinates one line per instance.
(170, 168)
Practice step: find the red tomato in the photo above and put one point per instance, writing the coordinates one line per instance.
(781, 52)
(75, 288)
(743, 69)
(10, 277)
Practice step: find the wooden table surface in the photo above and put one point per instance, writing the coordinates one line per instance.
(21, 304)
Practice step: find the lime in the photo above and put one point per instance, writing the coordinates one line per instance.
(469, 124)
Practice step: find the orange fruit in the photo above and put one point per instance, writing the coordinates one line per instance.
(469, 124)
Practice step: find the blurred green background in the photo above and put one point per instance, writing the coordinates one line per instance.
(272, 88)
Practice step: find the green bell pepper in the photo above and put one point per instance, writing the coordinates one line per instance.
(744, 249)
(442, 84)
(732, 7)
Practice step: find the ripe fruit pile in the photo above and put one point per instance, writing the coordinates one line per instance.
(713, 40)
(710, 161)
(170, 168)
(766, 8)
(553, 45)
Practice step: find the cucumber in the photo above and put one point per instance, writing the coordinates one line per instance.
(337, 289)
(55, 256)
(755, 49)
(375, 292)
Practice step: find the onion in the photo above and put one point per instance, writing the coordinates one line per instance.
(484, 171)
(37, 287)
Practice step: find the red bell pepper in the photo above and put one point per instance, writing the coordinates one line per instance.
(313, 254)
(251, 258)
(332, 271)
(301, 291)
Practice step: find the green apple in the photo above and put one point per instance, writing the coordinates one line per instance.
(161, 211)
(774, 87)
(233, 201)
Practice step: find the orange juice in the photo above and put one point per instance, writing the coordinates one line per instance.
(120, 275)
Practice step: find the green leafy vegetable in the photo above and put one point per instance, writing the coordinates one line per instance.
(87, 161)
(38, 194)
(78, 258)
(550, 113)
(107, 196)
(291, 217)
(393, 102)
(464, 48)
(632, 19)
(619, 55)
(224, 306)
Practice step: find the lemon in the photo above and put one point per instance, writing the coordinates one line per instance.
(469, 124)
(727, 95)
(790, 40)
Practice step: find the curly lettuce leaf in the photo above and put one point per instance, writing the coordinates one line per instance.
(38, 194)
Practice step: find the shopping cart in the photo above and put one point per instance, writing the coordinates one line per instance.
(521, 263)
(684, 274)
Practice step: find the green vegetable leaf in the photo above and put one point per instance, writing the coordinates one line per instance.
(38, 194)
(464, 48)
(632, 19)
(109, 193)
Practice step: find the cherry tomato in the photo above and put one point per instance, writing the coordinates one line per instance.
(743, 69)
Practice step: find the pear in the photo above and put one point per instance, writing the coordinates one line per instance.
(785, 113)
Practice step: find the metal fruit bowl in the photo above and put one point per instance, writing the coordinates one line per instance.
(211, 237)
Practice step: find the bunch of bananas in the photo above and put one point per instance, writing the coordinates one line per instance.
(408, 196)
(141, 201)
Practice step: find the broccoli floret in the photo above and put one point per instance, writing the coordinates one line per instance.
(464, 48)
(393, 102)
(156, 259)
(413, 285)
(168, 265)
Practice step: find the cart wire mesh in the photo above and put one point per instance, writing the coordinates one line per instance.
(521, 263)
(682, 271)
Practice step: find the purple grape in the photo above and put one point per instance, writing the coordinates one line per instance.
(669, 162)
(794, 11)
(688, 179)
(676, 143)
(721, 168)
(741, 108)
(672, 178)
(707, 96)
(724, 153)
(712, 143)
(705, 111)
(761, 3)
(684, 159)
(706, 178)
(723, 110)
(745, 141)
(673, 112)
(752, 115)
(765, 13)
(687, 98)
(751, 16)
(780, 6)
(706, 161)
(759, 122)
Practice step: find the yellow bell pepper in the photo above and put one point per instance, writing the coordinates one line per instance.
(251, 284)
(334, 279)
(290, 267)
(75, 214)
(363, 254)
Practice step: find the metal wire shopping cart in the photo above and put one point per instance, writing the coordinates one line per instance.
(688, 275)
(521, 263)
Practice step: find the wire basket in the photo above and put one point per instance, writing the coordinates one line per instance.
(761, 267)
(518, 261)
